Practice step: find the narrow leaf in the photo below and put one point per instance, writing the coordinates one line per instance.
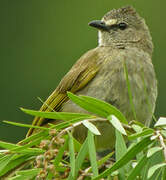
(8, 146)
(138, 168)
(153, 150)
(131, 153)
(60, 153)
(34, 137)
(16, 160)
(4, 161)
(55, 115)
(92, 153)
(141, 134)
(81, 156)
(25, 125)
(96, 106)
(120, 150)
(161, 122)
(129, 91)
(91, 127)
(154, 168)
(72, 156)
(116, 123)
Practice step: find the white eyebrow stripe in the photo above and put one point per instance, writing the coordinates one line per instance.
(111, 22)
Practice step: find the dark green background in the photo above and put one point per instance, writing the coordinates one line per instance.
(40, 40)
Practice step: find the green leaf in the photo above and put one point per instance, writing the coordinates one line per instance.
(105, 158)
(81, 156)
(28, 174)
(154, 168)
(59, 156)
(18, 177)
(72, 157)
(92, 154)
(116, 123)
(137, 128)
(141, 134)
(25, 174)
(25, 125)
(34, 137)
(4, 161)
(96, 106)
(153, 150)
(8, 146)
(138, 168)
(24, 148)
(91, 127)
(129, 91)
(163, 173)
(68, 123)
(56, 115)
(130, 154)
(163, 132)
(15, 161)
(120, 150)
(161, 122)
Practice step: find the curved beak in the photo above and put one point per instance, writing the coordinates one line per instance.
(99, 25)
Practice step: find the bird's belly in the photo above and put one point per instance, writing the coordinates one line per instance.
(110, 85)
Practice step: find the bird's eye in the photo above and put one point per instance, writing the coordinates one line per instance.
(122, 26)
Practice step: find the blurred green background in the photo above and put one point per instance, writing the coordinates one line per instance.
(40, 40)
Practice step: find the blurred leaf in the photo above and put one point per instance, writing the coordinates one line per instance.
(25, 174)
(18, 177)
(101, 161)
(8, 146)
(72, 157)
(116, 123)
(153, 150)
(77, 145)
(81, 156)
(163, 173)
(34, 137)
(91, 127)
(92, 153)
(67, 123)
(59, 156)
(4, 161)
(33, 143)
(161, 122)
(137, 128)
(14, 161)
(56, 115)
(131, 153)
(138, 168)
(154, 168)
(156, 158)
(163, 132)
(25, 125)
(120, 150)
(129, 91)
(96, 106)
(105, 158)
(141, 134)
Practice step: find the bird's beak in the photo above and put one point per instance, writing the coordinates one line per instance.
(99, 25)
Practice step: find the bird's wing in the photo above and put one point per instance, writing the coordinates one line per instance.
(80, 74)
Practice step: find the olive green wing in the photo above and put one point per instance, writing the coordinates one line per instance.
(77, 78)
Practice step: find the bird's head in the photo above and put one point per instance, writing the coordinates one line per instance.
(123, 27)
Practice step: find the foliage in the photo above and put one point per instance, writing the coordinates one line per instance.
(54, 153)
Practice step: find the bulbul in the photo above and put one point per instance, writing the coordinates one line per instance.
(123, 38)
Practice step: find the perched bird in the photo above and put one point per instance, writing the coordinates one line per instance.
(123, 38)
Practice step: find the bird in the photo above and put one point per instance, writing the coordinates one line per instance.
(123, 38)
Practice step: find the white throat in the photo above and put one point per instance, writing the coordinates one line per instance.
(100, 39)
